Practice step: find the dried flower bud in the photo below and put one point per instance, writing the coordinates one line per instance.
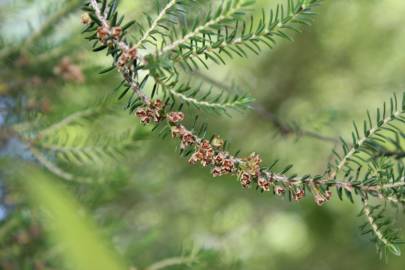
(175, 117)
(263, 183)
(187, 139)
(320, 200)
(217, 142)
(116, 32)
(245, 179)
(85, 18)
(102, 34)
(252, 164)
(142, 114)
(279, 190)
(132, 53)
(299, 195)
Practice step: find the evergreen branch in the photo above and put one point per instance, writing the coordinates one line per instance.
(231, 41)
(370, 131)
(189, 95)
(45, 28)
(43, 160)
(156, 22)
(283, 127)
(383, 236)
(66, 121)
(150, 111)
(213, 152)
(229, 10)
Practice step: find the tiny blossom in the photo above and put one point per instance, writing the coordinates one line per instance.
(126, 58)
(187, 139)
(103, 33)
(279, 190)
(85, 18)
(263, 183)
(299, 194)
(143, 115)
(174, 117)
(245, 179)
(217, 142)
(320, 200)
(204, 154)
(153, 112)
(177, 131)
(116, 32)
(252, 164)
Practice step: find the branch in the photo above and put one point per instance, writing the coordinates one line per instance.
(156, 22)
(282, 127)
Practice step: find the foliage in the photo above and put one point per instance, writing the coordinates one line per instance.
(161, 64)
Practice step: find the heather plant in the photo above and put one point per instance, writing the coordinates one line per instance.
(161, 59)
(367, 168)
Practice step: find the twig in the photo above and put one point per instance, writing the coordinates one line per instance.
(282, 127)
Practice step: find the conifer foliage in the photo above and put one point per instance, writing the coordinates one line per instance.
(157, 55)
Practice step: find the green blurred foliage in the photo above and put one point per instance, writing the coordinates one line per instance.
(154, 207)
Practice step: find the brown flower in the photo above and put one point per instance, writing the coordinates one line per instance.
(143, 115)
(263, 183)
(217, 142)
(299, 194)
(187, 139)
(103, 34)
(245, 179)
(85, 18)
(252, 164)
(116, 32)
(279, 190)
(174, 117)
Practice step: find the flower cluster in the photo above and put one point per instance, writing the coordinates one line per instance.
(224, 164)
(249, 169)
(126, 58)
(175, 117)
(153, 112)
(187, 138)
(203, 154)
(106, 35)
(320, 199)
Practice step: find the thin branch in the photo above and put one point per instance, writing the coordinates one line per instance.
(43, 160)
(170, 262)
(64, 122)
(282, 127)
(362, 141)
(201, 29)
(156, 22)
(43, 30)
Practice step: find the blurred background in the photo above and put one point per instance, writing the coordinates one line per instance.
(143, 202)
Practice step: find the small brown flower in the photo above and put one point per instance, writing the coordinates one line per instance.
(177, 131)
(320, 200)
(103, 34)
(217, 142)
(187, 139)
(245, 179)
(143, 115)
(252, 164)
(299, 194)
(279, 190)
(69, 71)
(132, 53)
(217, 171)
(263, 183)
(116, 32)
(85, 18)
(174, 117)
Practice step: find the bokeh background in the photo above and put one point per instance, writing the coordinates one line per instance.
(150, 206)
